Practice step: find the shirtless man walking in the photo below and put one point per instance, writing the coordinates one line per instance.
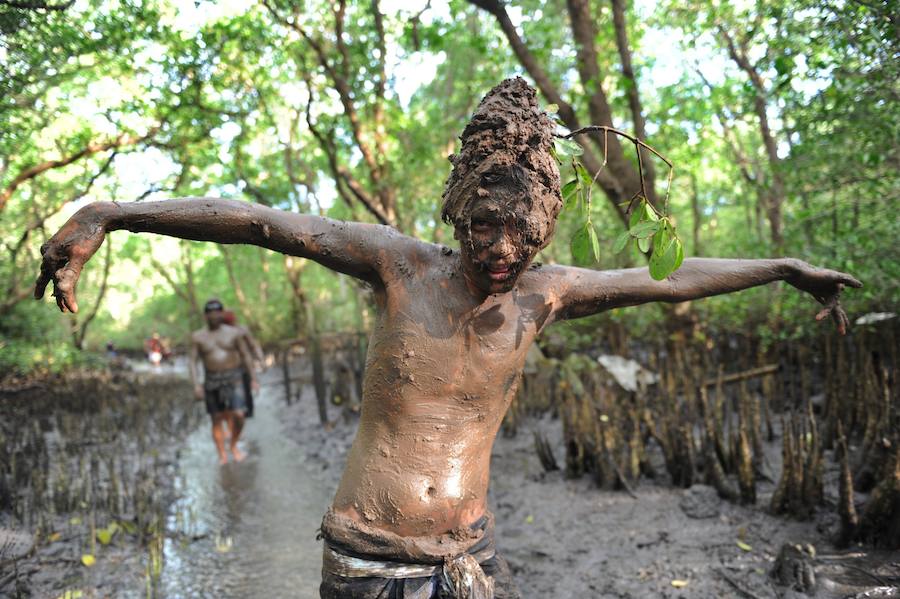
(225, 358)
(453, 327)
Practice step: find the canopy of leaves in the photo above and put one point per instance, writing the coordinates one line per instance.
(351, 109)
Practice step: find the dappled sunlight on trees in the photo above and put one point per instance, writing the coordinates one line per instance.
(781, 121)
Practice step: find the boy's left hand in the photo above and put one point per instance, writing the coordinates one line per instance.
(825, 285)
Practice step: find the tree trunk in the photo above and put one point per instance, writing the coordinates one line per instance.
(79, 330)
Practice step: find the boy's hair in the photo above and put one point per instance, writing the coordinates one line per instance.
(511, 130)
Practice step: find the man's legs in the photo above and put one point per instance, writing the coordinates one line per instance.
(218, 435)
(236, 425)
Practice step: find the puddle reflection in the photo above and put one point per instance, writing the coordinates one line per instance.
(247, 529)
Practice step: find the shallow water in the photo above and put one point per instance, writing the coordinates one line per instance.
(247, 529)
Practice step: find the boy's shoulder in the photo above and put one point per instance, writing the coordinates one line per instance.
(539, 273)
(416, 253)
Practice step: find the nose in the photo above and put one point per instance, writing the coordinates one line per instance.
(503, 245)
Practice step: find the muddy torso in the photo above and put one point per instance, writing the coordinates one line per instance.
(441, 371)
(219, 347)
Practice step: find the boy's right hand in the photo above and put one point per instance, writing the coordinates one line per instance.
(198, 392)
(66, 252)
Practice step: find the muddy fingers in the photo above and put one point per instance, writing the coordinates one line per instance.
(832, 307)
(64, 283)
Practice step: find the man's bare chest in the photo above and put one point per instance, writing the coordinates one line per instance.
(217, 342)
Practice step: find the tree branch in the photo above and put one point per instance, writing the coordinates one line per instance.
(775, 193)
(79, 331)
(634, 101)
(375, 168)
(92, 148)
(340, 174)
(36, 5)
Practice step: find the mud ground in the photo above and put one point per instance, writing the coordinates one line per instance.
(563, 538)
(135, 420)
(568, 538)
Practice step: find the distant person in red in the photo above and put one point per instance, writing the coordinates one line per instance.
(253, 348)
(155, 349)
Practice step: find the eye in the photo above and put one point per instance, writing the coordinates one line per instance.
(491, 178)
(480, 225)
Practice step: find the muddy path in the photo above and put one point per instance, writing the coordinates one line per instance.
(247, 529)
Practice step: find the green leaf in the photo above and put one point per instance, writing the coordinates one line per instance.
(621, 241)
(661, 263)
(644, 229)
(582, 246)
(659, 238)
(649, 212)
(569, 194)
(128, 527)
(88, 560)
(555, 155)
(582, 174)
(105, 535)
(644, 243)
(552, 108)
(679, 254)
(636, 215)
(595, 242)
(744, 546)
(783, 65)
(567, 147)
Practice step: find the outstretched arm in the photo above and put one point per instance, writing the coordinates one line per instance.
(356, 249)
(583, 292)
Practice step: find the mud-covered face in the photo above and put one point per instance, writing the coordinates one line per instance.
(496, 247)
(503, 196)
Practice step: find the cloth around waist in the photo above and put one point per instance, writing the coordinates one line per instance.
(216, 379)
(354, 539)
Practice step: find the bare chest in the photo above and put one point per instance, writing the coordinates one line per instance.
(432, 345)
(217, 344)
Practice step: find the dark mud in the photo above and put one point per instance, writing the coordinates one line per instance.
(506, 151)
(568, 538)
(249, 529)
(86, 463)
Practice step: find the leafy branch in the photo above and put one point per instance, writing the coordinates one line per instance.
(650, 229)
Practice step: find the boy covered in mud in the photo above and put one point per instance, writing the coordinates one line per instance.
(409, 518)
(224, 352)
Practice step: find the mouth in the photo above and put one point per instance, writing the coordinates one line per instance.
(499, 272)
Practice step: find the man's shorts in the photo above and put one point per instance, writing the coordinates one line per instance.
(224, 391)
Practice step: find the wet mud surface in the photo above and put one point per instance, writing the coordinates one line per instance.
(246, 529)
(84, 465)
(249, 529)
(567, 538)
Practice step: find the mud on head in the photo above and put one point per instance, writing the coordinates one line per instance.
(505, 158)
